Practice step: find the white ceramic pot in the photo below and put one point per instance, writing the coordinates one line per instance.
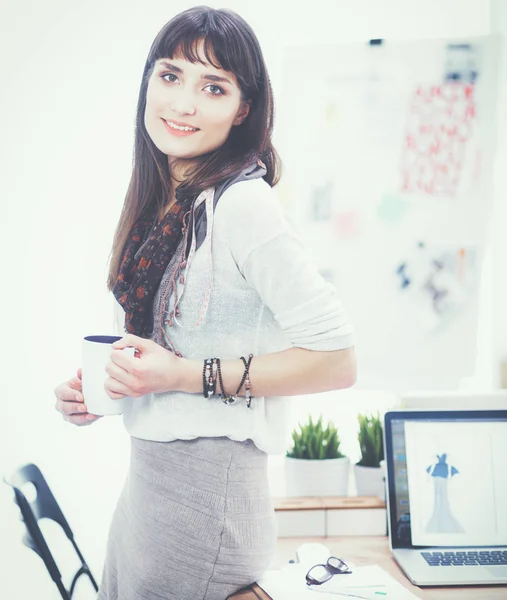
(328, 477)
(370, 481)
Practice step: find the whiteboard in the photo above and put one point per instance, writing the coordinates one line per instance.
(387, 152)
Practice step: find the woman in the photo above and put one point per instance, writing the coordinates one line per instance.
(205, 266)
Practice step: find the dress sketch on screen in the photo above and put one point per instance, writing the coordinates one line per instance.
(442, 520)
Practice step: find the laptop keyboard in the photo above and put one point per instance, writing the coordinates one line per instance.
(459, 559)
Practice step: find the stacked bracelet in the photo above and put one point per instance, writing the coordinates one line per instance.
(209, 377)
(211, 372)
(226, 398)
(246, 380)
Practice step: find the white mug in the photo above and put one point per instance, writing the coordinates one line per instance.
(96, 354)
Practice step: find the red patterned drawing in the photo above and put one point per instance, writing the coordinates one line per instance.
(439, 125)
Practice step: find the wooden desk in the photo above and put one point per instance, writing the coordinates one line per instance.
(367, 551)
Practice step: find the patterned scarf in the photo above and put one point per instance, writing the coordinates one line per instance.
(150, 248)
(145, 256)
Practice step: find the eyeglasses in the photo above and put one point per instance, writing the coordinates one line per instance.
(319, 574)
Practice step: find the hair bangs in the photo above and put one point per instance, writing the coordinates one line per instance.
(222, 46)
(188, 48)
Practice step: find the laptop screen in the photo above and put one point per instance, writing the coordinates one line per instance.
(447, 475)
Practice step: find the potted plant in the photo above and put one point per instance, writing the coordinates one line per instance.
(368, 471)
(314, 466)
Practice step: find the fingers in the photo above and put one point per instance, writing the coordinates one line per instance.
(117, 390)
(121, 381)
(75, 383)
(70, 402)
(80, 373)
(120, 367)
(66, 392)
(81, 420)
(75, 412)
(121, 359)
(131, 340)
(70, 408)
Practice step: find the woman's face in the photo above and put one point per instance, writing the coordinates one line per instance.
(190, 108)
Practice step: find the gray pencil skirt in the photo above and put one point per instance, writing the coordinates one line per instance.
(194, 521)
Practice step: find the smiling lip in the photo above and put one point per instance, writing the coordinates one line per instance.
(179, 132)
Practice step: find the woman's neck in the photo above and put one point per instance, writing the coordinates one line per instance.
(177, 171)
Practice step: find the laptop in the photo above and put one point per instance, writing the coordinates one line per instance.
(447, 495)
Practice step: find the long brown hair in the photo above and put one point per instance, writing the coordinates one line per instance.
(230, 44)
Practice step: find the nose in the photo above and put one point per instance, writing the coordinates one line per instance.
(183, 102)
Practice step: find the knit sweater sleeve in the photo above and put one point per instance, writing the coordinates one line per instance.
(271, 257)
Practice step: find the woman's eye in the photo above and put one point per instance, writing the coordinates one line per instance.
(215, 90)
(171, 76)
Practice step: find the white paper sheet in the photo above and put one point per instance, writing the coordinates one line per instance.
(368, 583)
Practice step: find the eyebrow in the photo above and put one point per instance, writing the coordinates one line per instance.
(175, 69)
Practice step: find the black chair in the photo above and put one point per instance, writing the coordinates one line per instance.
(44, 506)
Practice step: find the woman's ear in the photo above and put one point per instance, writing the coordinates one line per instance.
(242, 113)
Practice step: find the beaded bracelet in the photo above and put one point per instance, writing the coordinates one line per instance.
(246, 380)
(247, 392)
(205, 377)
(209, 377)
(214, 374)
(226, 398)
(230, 398)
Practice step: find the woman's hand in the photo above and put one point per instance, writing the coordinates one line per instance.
(153, 369)
(70, 402)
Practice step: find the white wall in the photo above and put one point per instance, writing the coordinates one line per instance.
(499, 223)
(70, 78)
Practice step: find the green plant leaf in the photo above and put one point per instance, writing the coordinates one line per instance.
(313, 441)
(370, 440)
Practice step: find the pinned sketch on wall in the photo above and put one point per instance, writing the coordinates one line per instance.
(440, 123)
(439, 280)
(346, 224)
(442, 520)
(392, 208)
(321, 204)
(399, 149)
(461, 63)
